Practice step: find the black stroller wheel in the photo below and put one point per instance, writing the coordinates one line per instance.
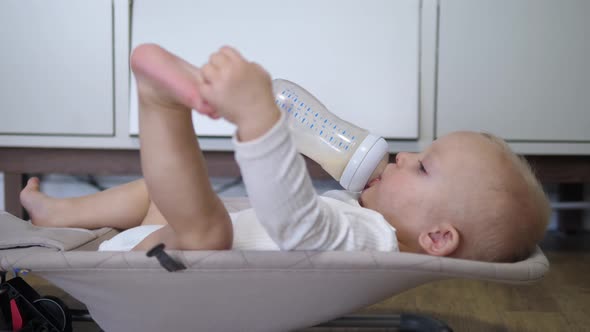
(56, 311)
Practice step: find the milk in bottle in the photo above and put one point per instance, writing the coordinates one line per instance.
(350, 154)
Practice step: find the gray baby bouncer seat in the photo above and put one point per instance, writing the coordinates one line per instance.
(221, 290)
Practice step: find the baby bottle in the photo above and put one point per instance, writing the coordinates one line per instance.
(350, 154)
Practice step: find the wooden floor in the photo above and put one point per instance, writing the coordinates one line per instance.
(560, 302)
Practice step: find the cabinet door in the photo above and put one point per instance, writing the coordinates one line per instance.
(359, 57)
(56, 67)
(519, 69)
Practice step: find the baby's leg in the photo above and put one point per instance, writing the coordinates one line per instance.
(124, 206)
(172, 162)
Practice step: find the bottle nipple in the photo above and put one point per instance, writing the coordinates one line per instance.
(380, 168)
(369, 160)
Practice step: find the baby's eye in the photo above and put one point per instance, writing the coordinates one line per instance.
(422, 169)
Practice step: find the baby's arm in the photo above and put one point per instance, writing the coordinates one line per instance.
(293, 215)
(276, 178)
(275, 175)
(282, 195)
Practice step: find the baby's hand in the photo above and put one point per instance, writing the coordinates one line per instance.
(239, 91)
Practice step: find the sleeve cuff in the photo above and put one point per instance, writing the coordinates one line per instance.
(264, 144)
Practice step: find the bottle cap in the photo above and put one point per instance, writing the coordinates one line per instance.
(363, 162)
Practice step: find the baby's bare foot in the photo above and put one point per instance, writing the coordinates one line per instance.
(41, 208)
(164, 78)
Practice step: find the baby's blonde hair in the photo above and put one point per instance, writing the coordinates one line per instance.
(520, 216)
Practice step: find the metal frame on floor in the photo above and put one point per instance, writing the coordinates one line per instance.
(401, 322)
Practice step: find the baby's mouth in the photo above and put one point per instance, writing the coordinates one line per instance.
(372, 182)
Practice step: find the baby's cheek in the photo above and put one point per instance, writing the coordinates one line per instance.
(393, 182)
(390, 190)
(370, 198)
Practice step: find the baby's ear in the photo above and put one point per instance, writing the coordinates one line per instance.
(441, 240)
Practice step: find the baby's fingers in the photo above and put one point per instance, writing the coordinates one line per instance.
(219, 60)
(231, 53)
(209, 73)
(214, 116)
(210, 112)
(204, 86)
(206, 109)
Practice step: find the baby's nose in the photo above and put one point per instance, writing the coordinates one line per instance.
(402, 158)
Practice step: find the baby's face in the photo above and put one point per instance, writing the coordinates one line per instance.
(434, 186)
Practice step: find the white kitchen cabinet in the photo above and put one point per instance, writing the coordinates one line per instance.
(359, 57)
(56, 67)
(410, 70)
(519, 69)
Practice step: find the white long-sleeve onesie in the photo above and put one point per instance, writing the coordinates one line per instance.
(286, 212)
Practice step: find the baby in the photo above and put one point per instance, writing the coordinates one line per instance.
(466, 196)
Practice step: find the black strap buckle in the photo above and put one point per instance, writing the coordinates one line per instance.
(167, 262)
